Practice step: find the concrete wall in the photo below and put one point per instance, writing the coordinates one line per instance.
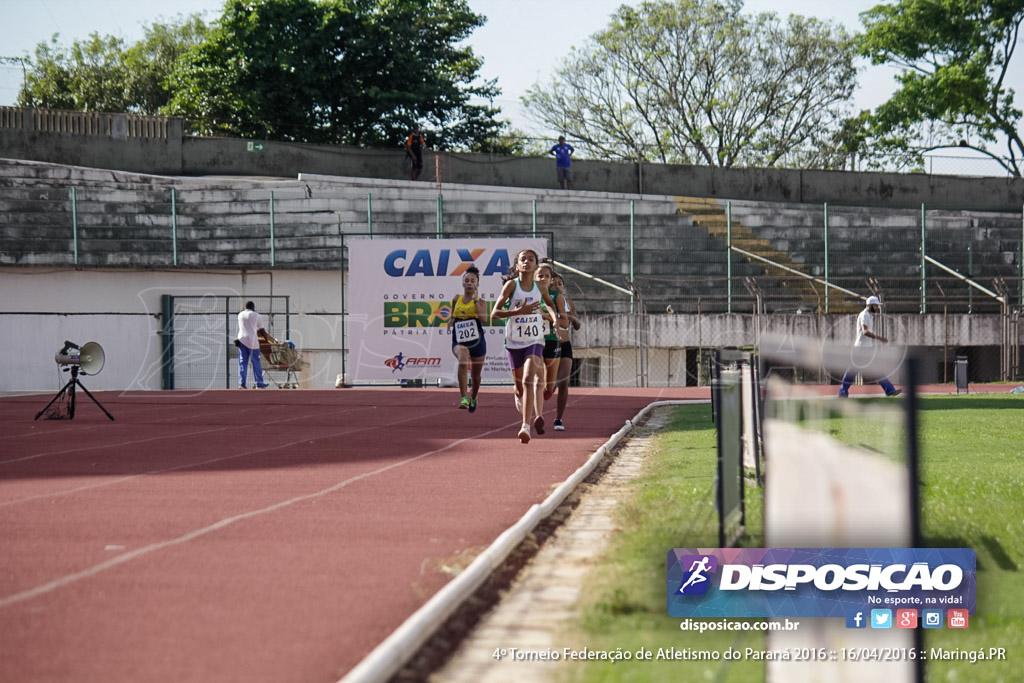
(121, 311)
(158, 154)
(220, 156)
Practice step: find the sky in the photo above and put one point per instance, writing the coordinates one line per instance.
(521, 44)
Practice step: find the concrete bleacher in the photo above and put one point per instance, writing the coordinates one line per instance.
(128, 220)
(884, 246)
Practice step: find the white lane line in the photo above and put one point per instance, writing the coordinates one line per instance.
(228, 521)
(111, 482)
(172, 436)
(78, 429)
(112, 445)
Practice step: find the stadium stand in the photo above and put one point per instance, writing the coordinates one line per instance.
(678, 243)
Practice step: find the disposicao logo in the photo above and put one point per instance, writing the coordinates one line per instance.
(695, 581)
(817, 582)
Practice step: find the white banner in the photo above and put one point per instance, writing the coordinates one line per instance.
(400, 298)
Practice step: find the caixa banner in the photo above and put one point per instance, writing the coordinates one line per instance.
(400, 294)
(817, 582)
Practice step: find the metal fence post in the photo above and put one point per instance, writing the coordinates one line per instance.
(826, 257)
(728, 255)
(924, 296)
(534, 217)
(271, 228)
(369, 213)
(440, 216)
(632, 256)
(166, 341)
(174, 226)
(970, 274)
(74, 221)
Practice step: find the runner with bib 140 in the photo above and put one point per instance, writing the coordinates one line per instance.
(519, 305)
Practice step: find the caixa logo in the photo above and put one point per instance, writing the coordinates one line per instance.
(398, 362)
(444, 262)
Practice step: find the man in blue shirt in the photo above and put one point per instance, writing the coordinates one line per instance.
(562, 153)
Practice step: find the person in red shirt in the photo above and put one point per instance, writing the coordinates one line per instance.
(414, 151)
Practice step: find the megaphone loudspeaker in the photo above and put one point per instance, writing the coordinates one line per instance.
(92, 358)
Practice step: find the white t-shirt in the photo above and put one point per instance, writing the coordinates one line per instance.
(248, 322)
(524, 330)
(865, 319)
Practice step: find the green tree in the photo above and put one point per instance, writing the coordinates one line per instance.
(101, 74)
(355, 72)
(954, 56)
(698, 81)
(150, 61)
(90, 76)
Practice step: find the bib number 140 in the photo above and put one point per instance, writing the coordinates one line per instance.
(526, 329)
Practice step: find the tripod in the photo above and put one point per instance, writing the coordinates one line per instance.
(70, 389)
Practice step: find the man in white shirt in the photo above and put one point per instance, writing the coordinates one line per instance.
(250, 324)
(862, 348)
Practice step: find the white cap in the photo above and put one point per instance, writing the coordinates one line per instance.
(874, 300)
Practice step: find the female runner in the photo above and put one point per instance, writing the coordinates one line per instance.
(545, 278)
(565, 352)
(469, 312)
(519, 306)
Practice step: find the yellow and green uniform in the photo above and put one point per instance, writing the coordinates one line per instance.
(466, 327)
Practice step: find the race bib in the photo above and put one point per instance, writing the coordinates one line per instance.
(547, 327)
(466, 331)
(525, 329)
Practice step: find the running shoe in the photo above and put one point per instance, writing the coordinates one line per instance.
(538, 424)
(548, 394)
(524, 433)
(895, 392)
(464, 403)
(472, 405)
(559, 427)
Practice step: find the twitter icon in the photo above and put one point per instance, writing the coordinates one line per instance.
(881, 618)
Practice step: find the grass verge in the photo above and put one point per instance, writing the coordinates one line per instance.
(972, 451)
(673, 507)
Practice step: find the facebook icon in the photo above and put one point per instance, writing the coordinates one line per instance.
(856, 619)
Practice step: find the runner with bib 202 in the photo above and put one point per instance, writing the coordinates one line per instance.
(519, 305)
(469, 313)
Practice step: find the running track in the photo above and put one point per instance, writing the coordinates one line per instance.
(256, 536)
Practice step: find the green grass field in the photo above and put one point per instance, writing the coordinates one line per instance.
(972, 496)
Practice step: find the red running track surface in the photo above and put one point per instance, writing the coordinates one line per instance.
(257, 535)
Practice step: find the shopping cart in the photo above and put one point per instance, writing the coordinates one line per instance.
(281, 356)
